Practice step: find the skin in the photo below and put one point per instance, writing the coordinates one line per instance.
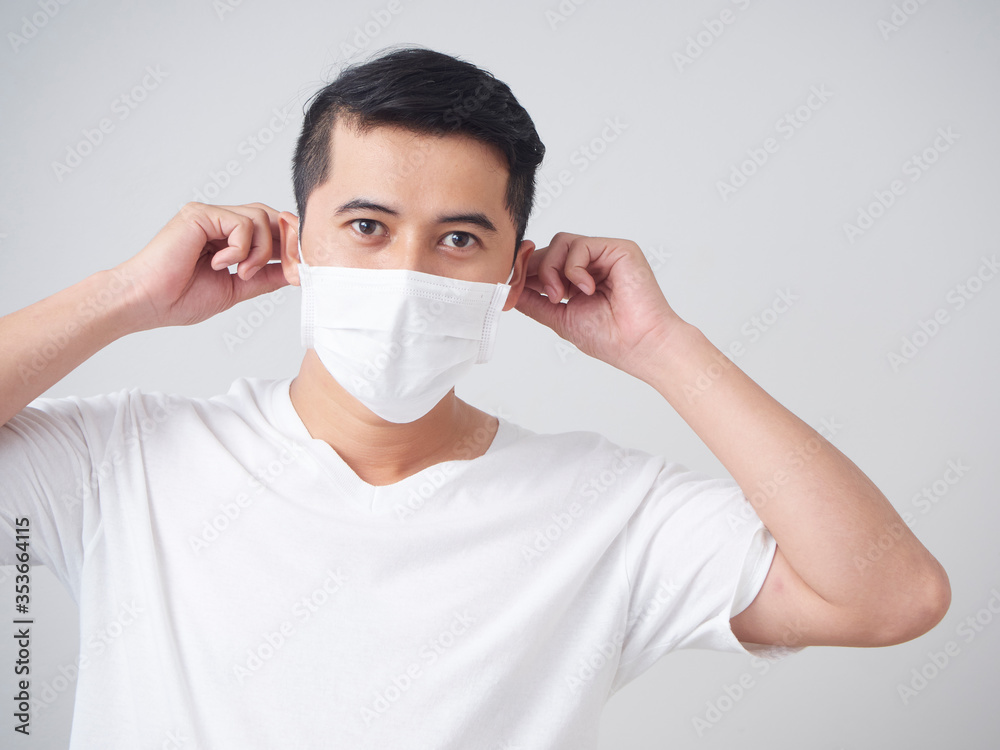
(456, 176)
(847, 570)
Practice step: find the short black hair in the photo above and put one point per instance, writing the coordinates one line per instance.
(427, 92)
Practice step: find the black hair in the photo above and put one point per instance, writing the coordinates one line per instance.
(427, 92)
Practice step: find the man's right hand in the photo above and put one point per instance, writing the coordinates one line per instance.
(181, 277)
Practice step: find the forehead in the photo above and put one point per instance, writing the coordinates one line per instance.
(417, 169)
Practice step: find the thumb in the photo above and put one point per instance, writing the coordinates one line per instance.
(541, 309)
(270, 277)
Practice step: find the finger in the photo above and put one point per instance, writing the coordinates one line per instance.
(536, 258)
(265, 245)
(533, 282)
(246, 209)
(275, 225)
(262, 245)
(269, 278)
(236, 229)
(549, 269)
(247, 233)
(578, 260)
(536, 307)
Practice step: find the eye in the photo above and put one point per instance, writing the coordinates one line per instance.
(464, 239)
(367, 227)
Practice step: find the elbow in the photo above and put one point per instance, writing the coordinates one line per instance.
(938, 598)
(922, 609)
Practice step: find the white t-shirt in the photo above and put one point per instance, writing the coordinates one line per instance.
(240, 586)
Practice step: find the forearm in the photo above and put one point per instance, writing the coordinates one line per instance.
(41, 343)
(823, 512)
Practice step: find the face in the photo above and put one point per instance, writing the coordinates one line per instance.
(398, 199)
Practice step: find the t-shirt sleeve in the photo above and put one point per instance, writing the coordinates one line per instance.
(52, 456)
(696, 555)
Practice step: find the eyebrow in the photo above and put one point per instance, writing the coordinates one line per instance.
(363, 204)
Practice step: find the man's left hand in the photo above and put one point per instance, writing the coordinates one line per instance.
(614, 309)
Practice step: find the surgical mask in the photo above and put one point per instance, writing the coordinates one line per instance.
(397, 340)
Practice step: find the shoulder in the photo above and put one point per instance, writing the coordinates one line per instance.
(582, 451)
(137, 409)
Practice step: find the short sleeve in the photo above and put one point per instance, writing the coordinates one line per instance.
(696, 555)
(52, 456)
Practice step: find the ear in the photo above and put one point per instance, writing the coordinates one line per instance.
(524, 251)
(288, 226)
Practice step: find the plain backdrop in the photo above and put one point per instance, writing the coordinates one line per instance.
(859, 144)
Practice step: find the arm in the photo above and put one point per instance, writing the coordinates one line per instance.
(823, 512)
(43, 342)
(178, 279)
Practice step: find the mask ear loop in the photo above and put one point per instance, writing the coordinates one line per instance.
(510, 276)
(308, 324)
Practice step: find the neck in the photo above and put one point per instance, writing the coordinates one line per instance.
(382, 452)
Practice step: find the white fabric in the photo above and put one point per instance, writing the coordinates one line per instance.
(240, 587)
(395, 339)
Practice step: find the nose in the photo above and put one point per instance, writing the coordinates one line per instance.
(409, 251)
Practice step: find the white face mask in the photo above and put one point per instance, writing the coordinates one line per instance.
(397, 340)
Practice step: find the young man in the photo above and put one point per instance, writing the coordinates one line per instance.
(354, 557)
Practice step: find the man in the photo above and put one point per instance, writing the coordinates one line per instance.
(355, 557)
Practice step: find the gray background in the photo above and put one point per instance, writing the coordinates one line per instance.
(229, 66)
